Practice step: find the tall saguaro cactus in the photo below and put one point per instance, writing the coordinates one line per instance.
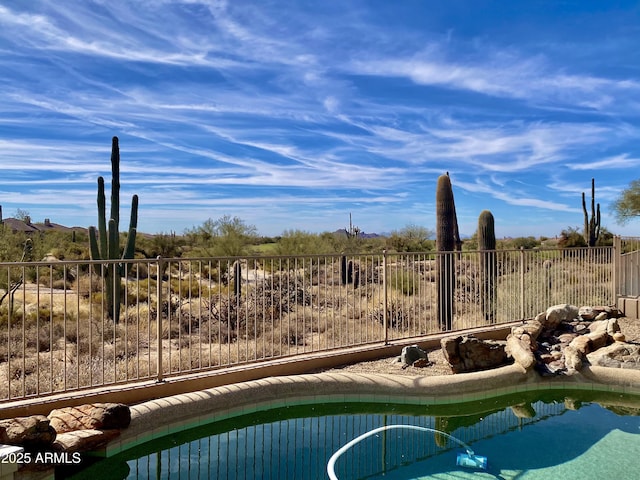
(591, 225)
(488, 264)
(105, 244)
(446, 227)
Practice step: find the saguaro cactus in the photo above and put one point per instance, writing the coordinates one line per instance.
(343, 270)
(237, 279)
(591, 225)
(446, 226)
(349, 272)
(105, 244)
(488, 264)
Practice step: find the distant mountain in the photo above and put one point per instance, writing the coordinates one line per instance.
(343, 232)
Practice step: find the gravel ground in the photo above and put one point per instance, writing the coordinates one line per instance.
(438, 366)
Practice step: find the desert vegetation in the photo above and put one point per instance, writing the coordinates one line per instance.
(194, 313)
(78, 310)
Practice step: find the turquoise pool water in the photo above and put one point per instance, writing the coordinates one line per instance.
(564, 435)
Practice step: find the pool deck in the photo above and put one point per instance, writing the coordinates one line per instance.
(161, 417)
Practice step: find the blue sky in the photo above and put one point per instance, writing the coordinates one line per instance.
(293, 114)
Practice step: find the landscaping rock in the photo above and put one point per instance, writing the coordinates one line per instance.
(587, 313)
(617, 355)
(101, 416)
(33, 432)
(469, 354)
(411, 354)
(557, 314)
(519, 348)
(84, 440)
(567, 336)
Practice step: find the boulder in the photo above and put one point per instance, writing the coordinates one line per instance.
(411, 354)
(422, 363)
(33, 432)
(599, 312)
(470, 354)
(617, 355)
(582, 344)
(587, 313)
(84, 440)
(619, 337)
(519, 348)
(572, 360)
(101, 416)
(557, 314)
(531, 328)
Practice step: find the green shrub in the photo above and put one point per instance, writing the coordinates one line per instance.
(403, 281)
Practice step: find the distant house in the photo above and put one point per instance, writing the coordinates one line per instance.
(47, 226)
(19, 225)
(16, 225)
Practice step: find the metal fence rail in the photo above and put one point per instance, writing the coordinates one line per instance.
(187, 315)
(629, 267)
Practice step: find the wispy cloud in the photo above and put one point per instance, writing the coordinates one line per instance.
(503, 75)
(617, 161)
(513, 197)
(293, 115)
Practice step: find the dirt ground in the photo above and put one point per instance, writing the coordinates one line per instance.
(438, 365)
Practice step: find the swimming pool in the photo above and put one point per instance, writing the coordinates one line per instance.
(533, 435)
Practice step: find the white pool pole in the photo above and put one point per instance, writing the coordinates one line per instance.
(332, 461)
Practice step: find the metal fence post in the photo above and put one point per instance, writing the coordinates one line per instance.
(385, 298)
(522, 289)
(616, 265)
(160, 372)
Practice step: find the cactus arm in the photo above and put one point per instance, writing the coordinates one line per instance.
(95, 250)
(593, 198)
(456, 232)
(102, 221)
(133, 220)
(114, 240)
(130, 247)
(586, 218)
(115, 180)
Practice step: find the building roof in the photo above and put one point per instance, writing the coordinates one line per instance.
(19, 225)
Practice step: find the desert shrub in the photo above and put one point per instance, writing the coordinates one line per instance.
(185, 287)
(43, 314)
(397, 315)
(280, 293)
(403, 281)
(87, 284)
(366, 271)
(570, 238)
(139, 292)
(294, 335)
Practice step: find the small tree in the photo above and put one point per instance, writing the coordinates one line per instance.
(411, 238)
(226, 237)
(571, 237)
(627, 206)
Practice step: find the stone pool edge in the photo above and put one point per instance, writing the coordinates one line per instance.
(158, 418)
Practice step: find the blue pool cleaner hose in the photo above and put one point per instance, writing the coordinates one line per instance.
(470, 459)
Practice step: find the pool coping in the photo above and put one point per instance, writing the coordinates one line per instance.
(158, 418)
